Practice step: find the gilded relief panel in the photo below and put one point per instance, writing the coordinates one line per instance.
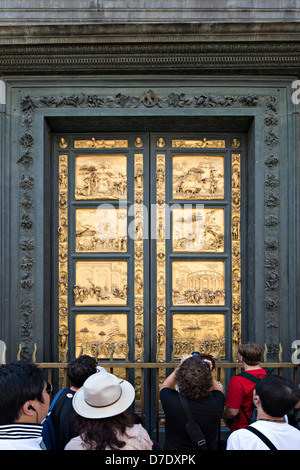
(198, 230)
(101, 177)
(198, 283)
(101, 283)
(198, 177)
(100, 144)
(199, 332)
(139, 256)
(161, 257)
(236, 252)
(101, 335)
(199, 144)
(100, 230)
(63, 257)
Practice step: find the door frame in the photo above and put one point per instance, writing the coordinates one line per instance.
(150, 308)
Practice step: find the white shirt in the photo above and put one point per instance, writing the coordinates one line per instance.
(282, 435)
(21, 437)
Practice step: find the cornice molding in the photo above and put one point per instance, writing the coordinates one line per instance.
(193, 57)
(148, 33)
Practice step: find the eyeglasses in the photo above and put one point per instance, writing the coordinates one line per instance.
(49, 388)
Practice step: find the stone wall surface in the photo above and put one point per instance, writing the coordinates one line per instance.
(146, 11)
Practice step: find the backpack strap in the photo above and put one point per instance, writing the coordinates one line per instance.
(48, 432)
(253, 379)
(192, 428)
(55, 399)
(262, 437)
(250, 377)
(245, 414)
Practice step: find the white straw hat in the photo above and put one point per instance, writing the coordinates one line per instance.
(102, 396)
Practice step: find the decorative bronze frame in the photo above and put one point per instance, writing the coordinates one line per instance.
(160, 258)
(138, 255)
(264, 103)
(236, 255)
(63, 258)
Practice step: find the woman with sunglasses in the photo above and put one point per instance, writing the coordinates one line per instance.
(24, 403)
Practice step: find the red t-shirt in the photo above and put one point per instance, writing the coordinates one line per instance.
(240, 393)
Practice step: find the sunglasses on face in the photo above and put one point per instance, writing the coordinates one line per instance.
(49, 388)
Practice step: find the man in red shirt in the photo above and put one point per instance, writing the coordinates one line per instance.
(239, 397)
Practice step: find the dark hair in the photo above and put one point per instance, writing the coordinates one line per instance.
(194, 379)
(20, 381)
(80, 369)
(251, 353)
(278, 395)
(98, 434)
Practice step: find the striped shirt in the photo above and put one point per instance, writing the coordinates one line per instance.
(19, 436)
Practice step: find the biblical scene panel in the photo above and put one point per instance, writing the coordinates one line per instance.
(101, 229)
(198, 229)
(101, 283)
(101, 177)
(199, 332)
(198, 283)
(101, 335)
(198, 177)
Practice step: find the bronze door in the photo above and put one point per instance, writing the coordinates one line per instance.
(149, 245)
(198, 265)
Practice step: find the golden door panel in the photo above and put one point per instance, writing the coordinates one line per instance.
(101, 335)
(198, 230)
(101, 230)
(106, 288)
(203, 332)
(198, 283)
(101, 283)
(198, 177)
(101, 177)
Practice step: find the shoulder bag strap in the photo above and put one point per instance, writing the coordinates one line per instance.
(262, 437)
(192, 428)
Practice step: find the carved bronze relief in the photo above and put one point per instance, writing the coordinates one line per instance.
(199, 144)
(139, 256)
(100, 144)
(101, 335)
(160, 257)
(101, 177)
(101, 230)
(198, 177)
(199, 332)
(101, 283)
(265, 104)
(198, 283)
(63, 257)
(198, 230)
(236, 252)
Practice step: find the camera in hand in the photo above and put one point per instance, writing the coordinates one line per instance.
(196, 354)
(203, 357)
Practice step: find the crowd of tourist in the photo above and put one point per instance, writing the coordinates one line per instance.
(261, 410)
